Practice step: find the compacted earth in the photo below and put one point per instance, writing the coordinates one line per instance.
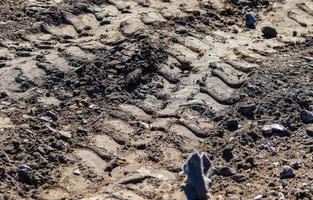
(106, 99)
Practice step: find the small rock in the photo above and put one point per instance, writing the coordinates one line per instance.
(24, 168)
(269, 32)
(267, 129)
(65, 135)
(275, 129)
(52, 115)
(268, 147)
(224, 171)
(77, 172)
(227, 154)
(306, 116)
(59, 145)
(296, 165)
(140, 146)
(2, 65)
(247, 110)
(159, 85)
(46, 119)
(288, 172)
(105, 22)
(250, 20)
(3, 94)
(238, 178)
(2, 173)
(134, 179)
(41, 150)
(259, 197)
(181, 30)
(272, 184)
(230, 123)
(24, 174)
(309, 131)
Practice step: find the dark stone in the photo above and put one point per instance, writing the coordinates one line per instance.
(230, 123)
(3, 94)
(247, 110)
(254, 136)
(251, 160)
(306, 116)
(309, 131)
(250, 20)
(224, 171)
(105, 22)
(296, 165)
(140, 146)
(52, 115)
(269, 32)
(227, 154)
(238, 178)
(59, 145)
(2, 173)
(287, 172)
(25, 176)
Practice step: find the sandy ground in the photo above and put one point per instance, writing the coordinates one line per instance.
(107, 99)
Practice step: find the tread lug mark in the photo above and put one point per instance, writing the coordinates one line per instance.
(108, 11)
(227, 80)
(239, 66)
(131, 27)
(75, 51)
(120, 5)
(181, 40)
(168, 76)
(151, 17)
(57, 32)
(74, 21)
(184, 63)
(193, 128)
(171, 13)
(218, 98)
(92, 45)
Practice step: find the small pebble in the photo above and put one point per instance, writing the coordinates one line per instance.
(287, 172)
(224, 171)
(77, 172)
(275, 129)
(247, 110)
(306, 116)
(230, 123)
